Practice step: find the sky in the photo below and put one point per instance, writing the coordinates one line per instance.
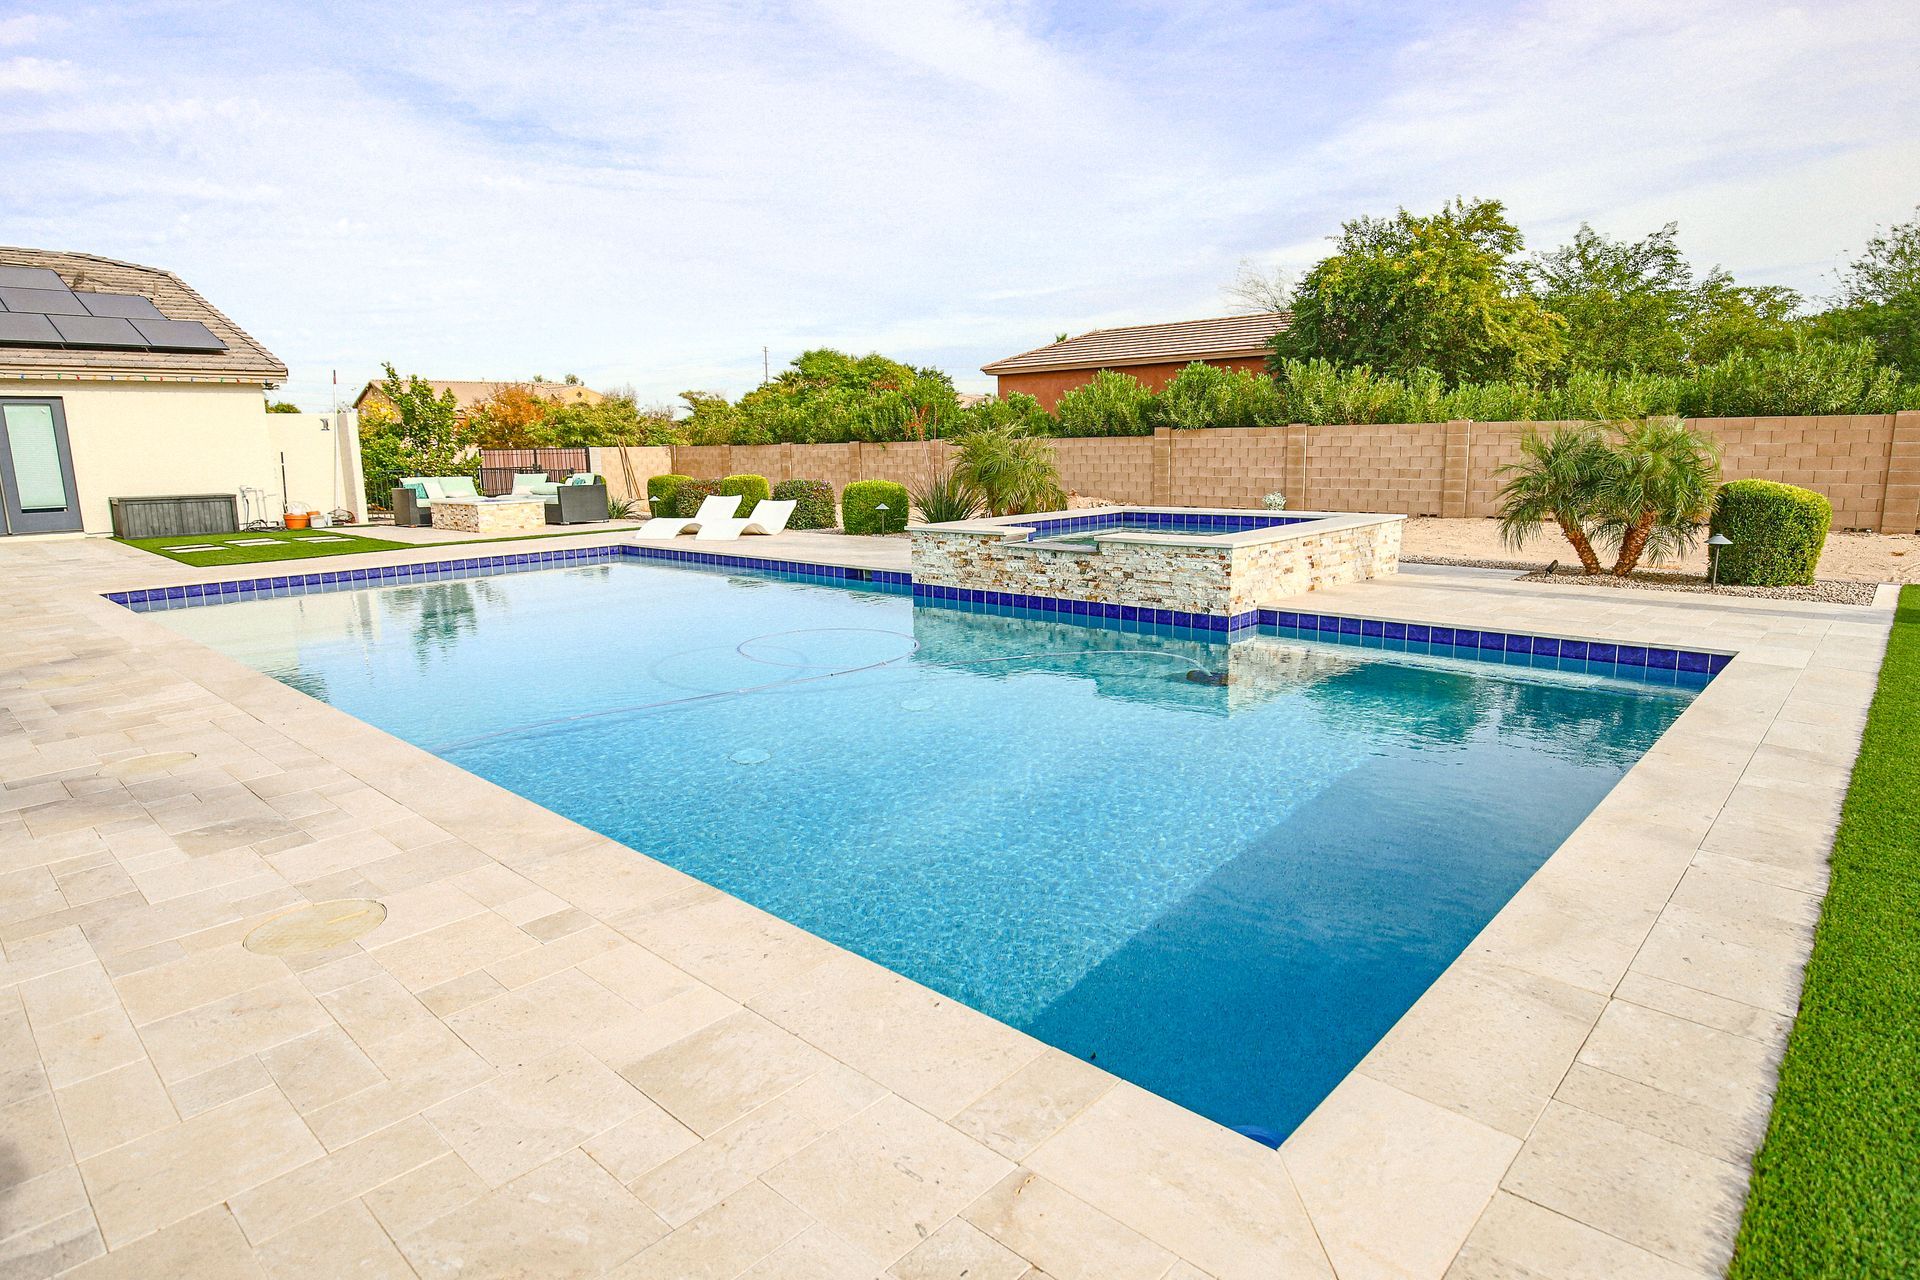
(648, 194)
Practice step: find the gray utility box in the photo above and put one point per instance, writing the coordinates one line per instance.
(190, 515)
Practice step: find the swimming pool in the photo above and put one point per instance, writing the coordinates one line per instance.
(1224, 887)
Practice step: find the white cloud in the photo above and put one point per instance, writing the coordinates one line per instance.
(26, 74)
(26, 28)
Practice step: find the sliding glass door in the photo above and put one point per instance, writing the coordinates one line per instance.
(36, 468)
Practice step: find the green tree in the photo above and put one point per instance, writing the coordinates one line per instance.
(1442, 291)
(1636, 307)
(1729, 319)
(1879, 298)
(282, 406)
(415, 432)
(1625, 303)
(1657, 489)
(1558, 478)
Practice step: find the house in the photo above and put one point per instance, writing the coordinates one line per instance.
(120, 381)
(469, 395)
(1153, 353)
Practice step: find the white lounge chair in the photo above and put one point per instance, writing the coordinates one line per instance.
(769, 517)
(720, 506)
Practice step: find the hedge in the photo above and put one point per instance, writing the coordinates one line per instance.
(859, 503)
(1777, 530)
(813, 503)
(663, 491)
(691, 493)
(747, 485)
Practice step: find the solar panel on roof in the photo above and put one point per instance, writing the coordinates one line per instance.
(178, 335)
(128, 305)
(17, 330)
(30, 278)
(48, 302)
(106, 332)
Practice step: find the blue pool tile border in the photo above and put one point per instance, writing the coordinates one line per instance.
(1184, 522)
(1638, 661)
(1625, 658)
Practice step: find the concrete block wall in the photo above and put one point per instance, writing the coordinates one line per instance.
(1868, 465)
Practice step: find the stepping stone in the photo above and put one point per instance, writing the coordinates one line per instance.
(331, 537)
(252, 542)
(198, 547)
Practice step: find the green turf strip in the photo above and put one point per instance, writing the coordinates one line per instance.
(286, 546)
(1836, 1187)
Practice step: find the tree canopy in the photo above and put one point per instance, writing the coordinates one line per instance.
(1443, 291)
(1879, 298)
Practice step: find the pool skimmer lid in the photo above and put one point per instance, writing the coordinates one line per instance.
(320, 926)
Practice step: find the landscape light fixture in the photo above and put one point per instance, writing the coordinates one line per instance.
(1716, 542)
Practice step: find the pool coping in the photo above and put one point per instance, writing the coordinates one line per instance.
(1409, 1166)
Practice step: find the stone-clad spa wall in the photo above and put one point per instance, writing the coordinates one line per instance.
(1219, 579)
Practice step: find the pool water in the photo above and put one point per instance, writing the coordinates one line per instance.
(1219, 872)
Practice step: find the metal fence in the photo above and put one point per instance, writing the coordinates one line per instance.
(499, 466)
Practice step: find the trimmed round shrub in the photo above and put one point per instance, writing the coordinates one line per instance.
(747, 485)
(664, 491)
(812, 503)
(691, 493)
(860, 503)
(1777, 530)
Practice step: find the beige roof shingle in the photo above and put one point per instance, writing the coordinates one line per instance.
(1178, 341)
(244, 360)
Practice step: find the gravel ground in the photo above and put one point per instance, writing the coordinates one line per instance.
(1849, 557)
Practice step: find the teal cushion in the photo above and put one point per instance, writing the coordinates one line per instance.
(419, 488)
(585, 477)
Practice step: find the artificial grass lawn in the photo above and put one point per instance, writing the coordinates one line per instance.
(1836, 1186)
(286, 546)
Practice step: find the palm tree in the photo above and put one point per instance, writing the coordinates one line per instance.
(1558, 478)
(1014, 472)
(1658, 490)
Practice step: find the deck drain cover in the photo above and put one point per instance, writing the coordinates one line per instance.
(136, 766)
(751, 755)
(319, 927)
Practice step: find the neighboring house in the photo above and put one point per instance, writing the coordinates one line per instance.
(468, 395)
(120, 381)
(1153, 353)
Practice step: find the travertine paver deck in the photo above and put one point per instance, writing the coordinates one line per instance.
(557, 1057)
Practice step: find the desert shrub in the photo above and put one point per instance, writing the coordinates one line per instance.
(813, 503)
(748, 486)
(662, 491)
(945, 496)
(859, 503)
(1207, 395)
(691, 493)
(1013, 471)
(1111, 404)
(1777, 532)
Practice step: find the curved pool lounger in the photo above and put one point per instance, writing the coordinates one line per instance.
(769, 517)
(719, 507)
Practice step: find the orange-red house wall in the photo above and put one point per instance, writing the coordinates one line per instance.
(1047, 386)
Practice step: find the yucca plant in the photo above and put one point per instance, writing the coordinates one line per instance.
(1558, 478)
(944, 496)
(1657, 490)
(1014, 472)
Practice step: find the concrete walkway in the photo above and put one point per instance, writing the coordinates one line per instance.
(555, 1056)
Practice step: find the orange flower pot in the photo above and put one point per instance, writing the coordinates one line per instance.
(296, 519)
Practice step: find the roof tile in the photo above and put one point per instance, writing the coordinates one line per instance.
(1180, 340)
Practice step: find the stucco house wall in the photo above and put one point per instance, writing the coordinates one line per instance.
(1047, 386)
